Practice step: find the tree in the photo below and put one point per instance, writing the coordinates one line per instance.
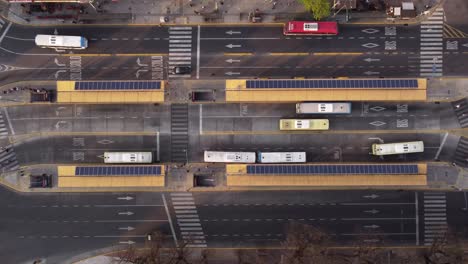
(319, 8)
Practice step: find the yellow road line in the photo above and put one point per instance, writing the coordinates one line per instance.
(113, 55)
(337, 53)
(315, 132)
(238, 53)
(289, 54)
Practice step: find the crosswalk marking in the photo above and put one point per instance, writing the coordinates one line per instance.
(431, 45)
(188, 220)
(180, 49)
(435, 224)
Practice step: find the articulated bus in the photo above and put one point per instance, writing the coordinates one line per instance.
(229, 157)
(310, 28)
(128, 157)
(61, 42)
(281, 157)
(323, 108)
(398, 148)
(304, 124)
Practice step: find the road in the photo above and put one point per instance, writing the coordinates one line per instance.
(149, 52)
(41, 133)
(59, 226)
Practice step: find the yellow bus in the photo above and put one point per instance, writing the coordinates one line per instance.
(304, 124)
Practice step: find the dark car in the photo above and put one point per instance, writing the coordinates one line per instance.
(182, 70)
(40, 181)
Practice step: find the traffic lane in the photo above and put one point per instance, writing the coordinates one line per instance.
(9, 199)
(337, 122)
(345, 31)
(111, 214)
(457, 213)
(56, 111)
(73, 149)
(322, 147)
(95, 46)
(304, 44)
(135, 124)
(309, 71)
(288, 66)
(345, 212)
(361, 60)
(109, 31)
(342, 229)
(358, 109)
(453, 64)
(262, 198)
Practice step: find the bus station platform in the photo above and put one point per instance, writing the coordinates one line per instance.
(111, 176)
(110, 92)
(297, 90)
(245, 175)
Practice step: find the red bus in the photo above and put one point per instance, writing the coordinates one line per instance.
(310, 28)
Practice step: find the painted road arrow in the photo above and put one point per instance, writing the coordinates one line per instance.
(371, 60)
(232, 73)
(371, 73)
(465, 45)
(230, 32)
(128, 228)
(126, 213)
(373, 211)
(137, 74)
(128, 242)
(233, 46)
(231, 61)
(373, 196)
(59, 64)
(57, 73)
(138, 61)
(128, 198)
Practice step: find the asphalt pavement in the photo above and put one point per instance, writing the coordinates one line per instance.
(57, 227)
(140, 52)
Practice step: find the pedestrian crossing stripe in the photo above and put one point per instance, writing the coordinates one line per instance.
(451, 32)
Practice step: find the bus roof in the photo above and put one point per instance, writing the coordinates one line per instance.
(311, 26)
(59, 41)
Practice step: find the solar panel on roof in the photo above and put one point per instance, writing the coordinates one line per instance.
(312, 84)
(334, 169)
(117, 170)
(133, 85)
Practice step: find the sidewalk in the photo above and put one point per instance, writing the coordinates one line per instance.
(191, 12)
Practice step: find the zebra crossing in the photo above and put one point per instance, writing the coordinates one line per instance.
(461, 111)
(188, 220)
(431, 49)
(8, 161)
(180, 49)
(3, 127)
(435, 217)
(461, 153)
(179, 132)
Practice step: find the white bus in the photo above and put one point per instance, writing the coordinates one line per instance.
(61, 42)
(229, 157)
(323, 108)
(397, 148)
(281, 157)
(304, 124)
(128, 157)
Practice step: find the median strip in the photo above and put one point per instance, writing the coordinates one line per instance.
(289, 54)
(337, 53)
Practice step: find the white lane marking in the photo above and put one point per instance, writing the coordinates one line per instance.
(19, 38)
(198, 52)
(170, 221)
(5, 32)
(184, 203)
(8, 118)
(200, 119)
(237, 38)
(182, 198)
(417, 217)
(180, 37)
(180, 41)
(383, 218)
(181, 194)
(440, 147)
(180, 28)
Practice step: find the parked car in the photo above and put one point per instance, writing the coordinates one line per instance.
(40, 181)
(182, 70)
